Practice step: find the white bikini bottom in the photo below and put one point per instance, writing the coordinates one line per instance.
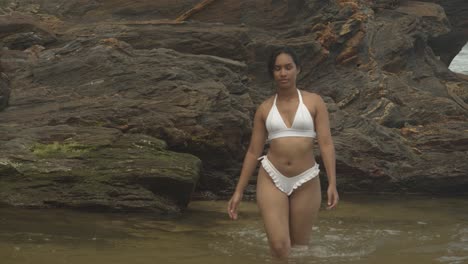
(288, 184)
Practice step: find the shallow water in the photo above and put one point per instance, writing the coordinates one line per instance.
(364, 229)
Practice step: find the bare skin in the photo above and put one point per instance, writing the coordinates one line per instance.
(288, 220)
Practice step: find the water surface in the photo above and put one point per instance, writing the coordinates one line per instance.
(364, 229)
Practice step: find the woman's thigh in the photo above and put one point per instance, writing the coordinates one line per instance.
(274, 208)
(304, 204)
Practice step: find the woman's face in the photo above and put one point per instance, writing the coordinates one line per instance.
(285, 71)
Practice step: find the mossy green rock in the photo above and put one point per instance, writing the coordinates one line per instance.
(123, 172)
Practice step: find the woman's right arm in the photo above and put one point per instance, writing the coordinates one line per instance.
(257, 143)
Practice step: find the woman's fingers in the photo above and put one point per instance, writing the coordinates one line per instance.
(332, 200)
(232, 209)
(234, 215)
(233, 204)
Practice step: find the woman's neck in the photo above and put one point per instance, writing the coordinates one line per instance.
(287, 93)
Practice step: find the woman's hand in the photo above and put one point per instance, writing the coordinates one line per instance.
(233, 204)
(333, 197)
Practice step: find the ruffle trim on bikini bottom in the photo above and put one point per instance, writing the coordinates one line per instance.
(268, 168)
(303, 177)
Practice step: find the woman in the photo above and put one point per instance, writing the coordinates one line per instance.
(288, 189)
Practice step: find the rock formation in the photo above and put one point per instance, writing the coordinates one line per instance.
(116, 105)
(448, 45)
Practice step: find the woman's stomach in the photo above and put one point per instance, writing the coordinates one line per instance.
(292, 155)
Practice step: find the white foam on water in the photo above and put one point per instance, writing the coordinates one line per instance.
(463, 235)
(457, 249)
(392, 232)
(334, 252)
(340, 245)
(453, 260)
(459, 243)
(329, 245)
(460, 62)
(245, 241)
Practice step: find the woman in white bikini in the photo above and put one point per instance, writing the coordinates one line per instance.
(288, 189)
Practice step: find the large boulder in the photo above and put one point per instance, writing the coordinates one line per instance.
(93, 169)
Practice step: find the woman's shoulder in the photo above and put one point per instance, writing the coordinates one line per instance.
(311, 97)
(267, 103)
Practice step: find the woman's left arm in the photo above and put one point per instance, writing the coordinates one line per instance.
(327, 150)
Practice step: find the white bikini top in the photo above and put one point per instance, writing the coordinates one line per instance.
(302, 126)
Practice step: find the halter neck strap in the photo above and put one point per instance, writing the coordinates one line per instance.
(298, 92)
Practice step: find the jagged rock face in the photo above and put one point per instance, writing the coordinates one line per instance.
(447, 46)
(398, 115)
(188, 100)
(4, 91)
